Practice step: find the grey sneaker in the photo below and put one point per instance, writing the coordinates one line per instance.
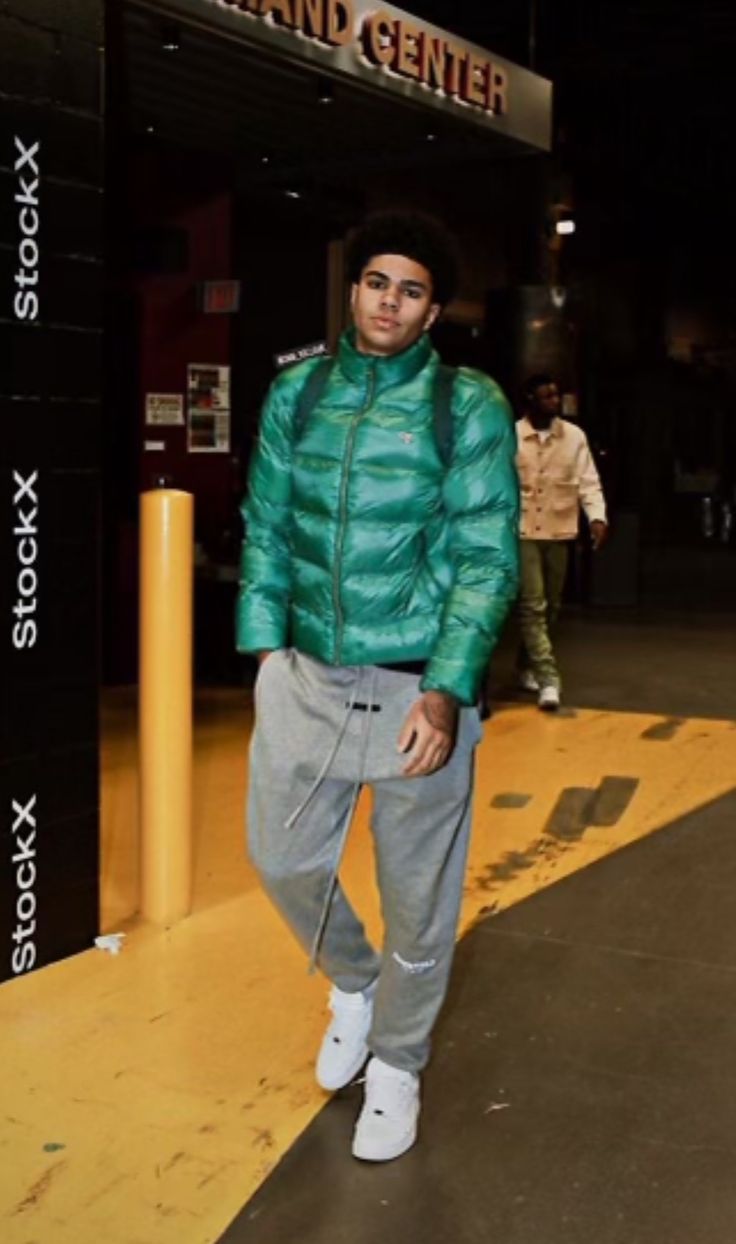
(528, 680)
(387, 1125)
(549, 699)
(344, 1046)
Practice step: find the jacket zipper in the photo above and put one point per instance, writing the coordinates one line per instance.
(344, 484)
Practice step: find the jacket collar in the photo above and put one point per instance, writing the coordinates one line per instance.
(387, 370)
(529, 432)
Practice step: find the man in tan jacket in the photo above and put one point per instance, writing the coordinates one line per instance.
(557, 475)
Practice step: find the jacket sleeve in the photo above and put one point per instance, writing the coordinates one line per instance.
(481, 501)
(265, 569)
(589, 485)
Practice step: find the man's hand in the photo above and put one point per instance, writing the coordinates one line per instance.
(598, 533)
(428, 734)
(265, 652)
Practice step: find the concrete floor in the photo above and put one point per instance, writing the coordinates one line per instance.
(642, 662)
(581, 1085)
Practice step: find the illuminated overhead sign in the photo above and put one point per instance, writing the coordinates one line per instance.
(383, 47)
(392, 40)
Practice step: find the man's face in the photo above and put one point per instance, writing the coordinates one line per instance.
(546, 402)
(392, 304)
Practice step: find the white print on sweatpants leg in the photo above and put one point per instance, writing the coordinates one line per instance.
(414, 968)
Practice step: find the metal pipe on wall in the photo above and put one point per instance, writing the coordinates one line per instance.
(165, 705)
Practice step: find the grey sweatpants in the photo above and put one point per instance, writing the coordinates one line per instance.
(310, 753)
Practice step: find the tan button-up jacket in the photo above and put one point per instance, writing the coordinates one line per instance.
(557, 476)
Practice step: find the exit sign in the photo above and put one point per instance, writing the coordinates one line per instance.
(219, 297)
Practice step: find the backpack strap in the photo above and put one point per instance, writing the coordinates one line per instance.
(311, 392)
(442, 402)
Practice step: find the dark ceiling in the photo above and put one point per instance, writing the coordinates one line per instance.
(643, 120)
(643, 115)
(265, 118)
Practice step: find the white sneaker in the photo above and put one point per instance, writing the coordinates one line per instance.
(528, 680)
(344, 1046)
(387, 1125)
(549, 699)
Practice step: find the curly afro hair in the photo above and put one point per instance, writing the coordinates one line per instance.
(413, 234)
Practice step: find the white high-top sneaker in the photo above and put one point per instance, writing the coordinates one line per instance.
(528, 680)
(344, 1049)
(549, 699)
(387, 1125)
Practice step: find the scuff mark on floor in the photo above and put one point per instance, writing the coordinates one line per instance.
(663, 731)
(218, 1170)
(175, 1160)
(38, 1190)
(508, 867)
(510, 799)
(612, 799)
(582, 807)
(570, 816)
(578, 808)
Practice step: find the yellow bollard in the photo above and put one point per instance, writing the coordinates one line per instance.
(165, 704)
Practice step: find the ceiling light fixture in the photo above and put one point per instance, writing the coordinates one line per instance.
(170, 39)
(325, 93)
(293, 194)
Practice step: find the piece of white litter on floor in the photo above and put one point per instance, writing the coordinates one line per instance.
(497, 1105)
(111, 942)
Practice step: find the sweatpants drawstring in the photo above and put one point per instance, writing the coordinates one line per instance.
(357, 787)
(291, 822)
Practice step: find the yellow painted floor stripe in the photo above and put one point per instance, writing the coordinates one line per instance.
(145, 1097)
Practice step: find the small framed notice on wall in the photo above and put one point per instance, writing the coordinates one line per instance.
(208, 408)
(165, 409)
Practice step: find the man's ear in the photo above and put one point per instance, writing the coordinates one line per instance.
(432, 314)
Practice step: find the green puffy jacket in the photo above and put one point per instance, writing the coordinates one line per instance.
(362, 546)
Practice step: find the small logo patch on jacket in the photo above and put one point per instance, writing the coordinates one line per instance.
(407, 437)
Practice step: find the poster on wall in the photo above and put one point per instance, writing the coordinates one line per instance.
(208, 408)
(165, 409)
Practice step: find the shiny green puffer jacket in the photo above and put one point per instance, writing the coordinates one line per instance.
(362, 546)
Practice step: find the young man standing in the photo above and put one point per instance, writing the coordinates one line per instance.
(558, 475)
(377, 569)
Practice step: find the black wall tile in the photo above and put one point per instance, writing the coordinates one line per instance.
(69, 291)
(50, 385)
(71, 148)
(79, 18)
(70, 789)
(55, 433)
(71, 217)
(45, 713)
(59, 876)
(27, 56)
(73, 500)
(56, 363)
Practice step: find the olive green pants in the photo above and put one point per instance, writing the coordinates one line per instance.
(543, 570)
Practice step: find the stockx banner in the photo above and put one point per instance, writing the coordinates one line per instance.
(50, 348)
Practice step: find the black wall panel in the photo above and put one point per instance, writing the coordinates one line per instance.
(51, 276)
(83, 20)
(72, 217)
